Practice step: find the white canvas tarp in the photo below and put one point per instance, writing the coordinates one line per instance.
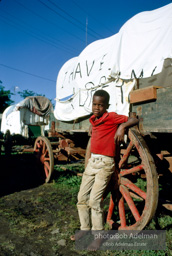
(138, 50)
(11, 121)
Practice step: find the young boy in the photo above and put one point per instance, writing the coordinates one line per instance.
(105, 126)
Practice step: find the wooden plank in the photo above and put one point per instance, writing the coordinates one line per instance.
(156, 116)
(144, 94)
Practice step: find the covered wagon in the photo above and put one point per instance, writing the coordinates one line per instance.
(22, 123)
(135, 67)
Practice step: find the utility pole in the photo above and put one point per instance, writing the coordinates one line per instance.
(86, 30)
(16, 88)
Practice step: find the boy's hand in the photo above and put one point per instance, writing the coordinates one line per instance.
(119, 136)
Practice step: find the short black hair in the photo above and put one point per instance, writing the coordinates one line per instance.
(103, 94)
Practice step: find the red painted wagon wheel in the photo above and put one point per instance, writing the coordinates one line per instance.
(44, 154)
(137, 194)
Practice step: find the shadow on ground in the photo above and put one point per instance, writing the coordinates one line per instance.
(18, 172)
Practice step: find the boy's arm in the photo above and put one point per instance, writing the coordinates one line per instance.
(119, 136)
(90, 130)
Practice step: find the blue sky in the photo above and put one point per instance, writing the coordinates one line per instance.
(38, 36)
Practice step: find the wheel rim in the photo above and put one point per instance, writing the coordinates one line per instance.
(136, 198)
(44, 154)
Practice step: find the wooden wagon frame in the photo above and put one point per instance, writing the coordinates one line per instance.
(134, 186)
(141, 159)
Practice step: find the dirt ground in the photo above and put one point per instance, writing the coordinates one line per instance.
(36, 219)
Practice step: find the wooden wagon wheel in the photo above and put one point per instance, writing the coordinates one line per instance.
(137, 191)
(44, 154)
(137, 194)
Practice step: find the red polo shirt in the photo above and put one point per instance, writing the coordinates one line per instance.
(103, 132)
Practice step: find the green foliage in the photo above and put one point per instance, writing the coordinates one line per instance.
(68, 177)
(5, 98)
(165, 221)
(70, 180)
(26, 93)
(142, 184)
(153, 253)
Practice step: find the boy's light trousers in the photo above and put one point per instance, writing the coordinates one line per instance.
(94, 182)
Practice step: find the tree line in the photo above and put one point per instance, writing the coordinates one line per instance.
(5, 96)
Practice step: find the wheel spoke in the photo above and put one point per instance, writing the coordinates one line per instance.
(110, 211)
(135, 169)
(43, 148)
(46, 159)
(46, 151)
(47, 165)
(38, 144)
(133, 187)
(46, 171)
(122, 212)
(124, 191)
(126, 155)
(133, 195)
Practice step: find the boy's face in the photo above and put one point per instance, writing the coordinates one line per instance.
(99, 106)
